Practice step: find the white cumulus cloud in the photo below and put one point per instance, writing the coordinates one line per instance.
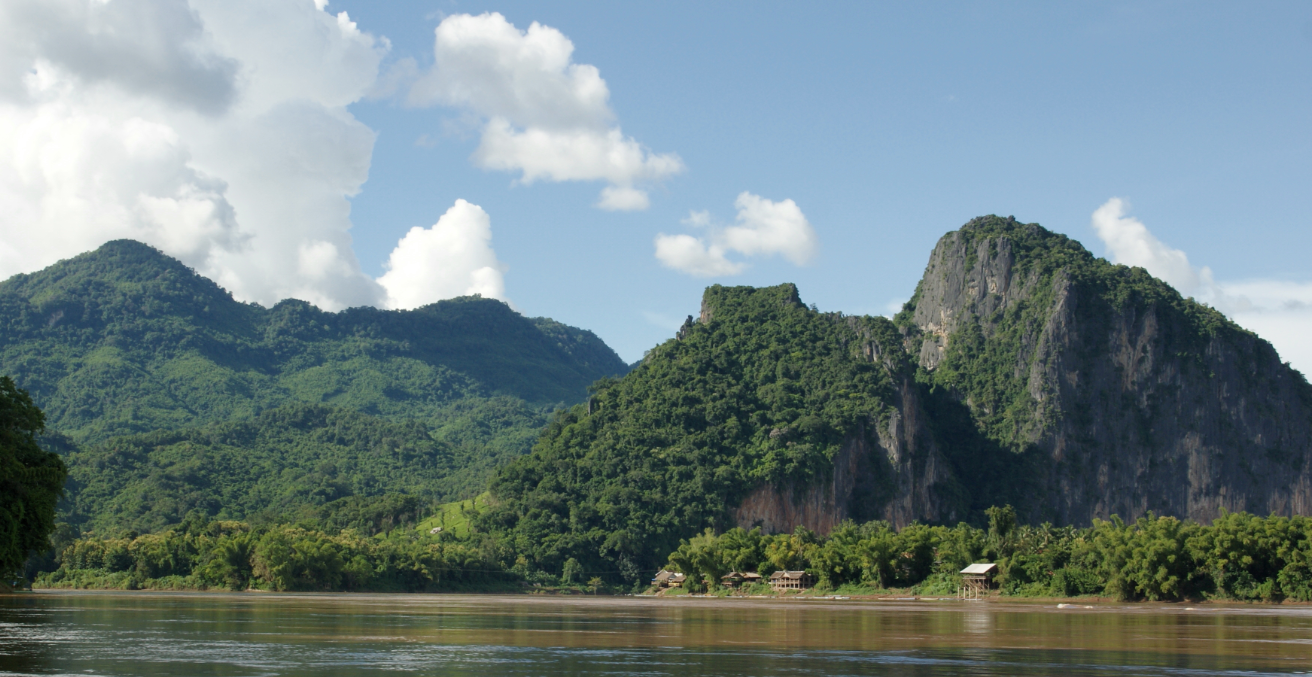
(215, 130)
(694, 256)
(763, 228)
(452, 258)
(1278, 311)
(1130, 243)
(545, 116)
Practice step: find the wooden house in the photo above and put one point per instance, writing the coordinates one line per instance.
(734, 579)
(790, 580)
(976, 580)
(668, 579)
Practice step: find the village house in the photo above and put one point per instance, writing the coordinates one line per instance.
(734, 579)
(790, 580)
(668, 579)
(976, 580)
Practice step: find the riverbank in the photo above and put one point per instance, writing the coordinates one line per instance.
(504, 592)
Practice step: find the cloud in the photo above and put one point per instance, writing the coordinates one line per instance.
(1278, 311)
(691, 255)
(763, 228)
(150, 49)
(546, 117)
(1130, 243)
(216, 130)
(452, 258)
(620, 199)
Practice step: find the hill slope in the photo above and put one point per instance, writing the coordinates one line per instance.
(127, 340)
(1023, 371)
(266, 468)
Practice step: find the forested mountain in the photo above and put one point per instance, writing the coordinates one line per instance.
(1024, 371)
(163, 393)
(127, 340)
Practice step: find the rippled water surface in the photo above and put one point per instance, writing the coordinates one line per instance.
(257, 634)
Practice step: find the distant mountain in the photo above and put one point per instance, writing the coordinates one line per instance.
(127, 340)
(1024, 370)
(165, 394)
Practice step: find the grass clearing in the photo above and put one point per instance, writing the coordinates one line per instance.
(454, 517)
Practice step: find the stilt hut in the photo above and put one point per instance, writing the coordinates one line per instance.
(790, 580)
(668, 579)
(976, 580)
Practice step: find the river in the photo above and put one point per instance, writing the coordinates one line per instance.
(90, 633)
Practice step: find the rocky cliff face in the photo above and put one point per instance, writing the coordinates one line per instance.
(892, 468)
(893, 472)
(1127, 397)
(1069, 387)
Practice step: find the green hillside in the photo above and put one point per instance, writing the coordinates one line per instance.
(763, 392)
(126, 340)
(164, 394)
(267, 468)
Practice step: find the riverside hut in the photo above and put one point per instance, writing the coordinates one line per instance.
(734, 579)
(668, 579)
(790, 580)
(976, 580)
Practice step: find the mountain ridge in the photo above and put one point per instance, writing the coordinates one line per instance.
(126, 323)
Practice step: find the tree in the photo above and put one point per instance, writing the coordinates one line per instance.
(31, 480)
(594, 583)
(572, 571)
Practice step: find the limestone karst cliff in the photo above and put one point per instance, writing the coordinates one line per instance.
(1129, 397)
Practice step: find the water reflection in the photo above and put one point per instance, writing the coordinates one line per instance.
(156, 634)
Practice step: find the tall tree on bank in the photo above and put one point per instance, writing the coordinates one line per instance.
(31, 480)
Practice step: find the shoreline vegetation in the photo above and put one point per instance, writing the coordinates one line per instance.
(1237, 558)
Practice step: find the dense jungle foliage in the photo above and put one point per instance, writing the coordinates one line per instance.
(763, 392)
(1239, 557)
(268, 467)
(31, 480)
(311, 555)
(127, 340)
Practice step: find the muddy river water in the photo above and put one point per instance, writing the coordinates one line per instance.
(89, 633)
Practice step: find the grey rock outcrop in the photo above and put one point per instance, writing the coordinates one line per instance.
(1130, 398)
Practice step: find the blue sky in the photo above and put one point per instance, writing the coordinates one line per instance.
(888, 125)
(885, 124)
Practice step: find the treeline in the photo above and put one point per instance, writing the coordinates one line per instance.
(203, 554)
(1239, 556)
